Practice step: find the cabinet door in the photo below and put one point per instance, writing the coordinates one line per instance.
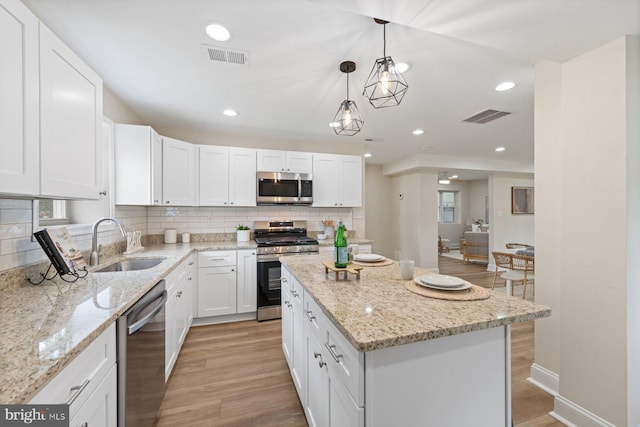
(171, 347)
(213, 179)
(325, 180)
(19, 104)
(242, 177)
(182, 315)
(317, 384)
(287, 318)
(299, 162)
(216, 291)
(70, 122)
(350, 188)
(271, 161)
(101, 408)
(156, 168)
(191, 282)
(298, 340)
(138, 165)
(178, 172)
(247, 281)
(343, 411)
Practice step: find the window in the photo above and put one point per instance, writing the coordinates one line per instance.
(448, 211)
(52, 212)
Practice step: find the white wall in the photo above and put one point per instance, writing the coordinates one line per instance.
(414, 218)
(506, 227)
(378, 208)
(478, 192)
(596, 140)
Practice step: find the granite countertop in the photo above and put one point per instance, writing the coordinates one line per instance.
(354, 241)
(377, 311)
(42, 328)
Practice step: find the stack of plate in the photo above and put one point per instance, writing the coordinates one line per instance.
(368, 258)
(442, 282)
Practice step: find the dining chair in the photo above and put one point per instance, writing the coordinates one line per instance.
(516, 245)
(519, 268)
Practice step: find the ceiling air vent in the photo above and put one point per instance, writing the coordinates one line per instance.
(486, 116)
(229, 56)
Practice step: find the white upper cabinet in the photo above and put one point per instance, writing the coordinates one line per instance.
(284, 161)
(138, 165)
(227, 176)
(70, 122)
(19, 112)
(178, 173)
(337, 180)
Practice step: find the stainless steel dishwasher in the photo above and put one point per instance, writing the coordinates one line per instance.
(141, 341)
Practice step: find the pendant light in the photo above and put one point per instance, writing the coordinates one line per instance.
(385, 86)
(347, 120)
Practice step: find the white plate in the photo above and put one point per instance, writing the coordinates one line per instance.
(368, 257)
(441, 280)
(463, 286)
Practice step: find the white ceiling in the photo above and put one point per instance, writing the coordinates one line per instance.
(149, 54)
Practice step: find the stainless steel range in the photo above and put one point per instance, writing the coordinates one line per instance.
(276, 239)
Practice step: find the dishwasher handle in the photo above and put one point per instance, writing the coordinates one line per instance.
(134, 327)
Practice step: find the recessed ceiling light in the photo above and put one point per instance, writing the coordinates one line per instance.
(334, 124)
(402, 67)
(230, 113)
(505, 86)
(444, 181)
(368, 155)
(418, 132)
(217, 32)
(500, 149)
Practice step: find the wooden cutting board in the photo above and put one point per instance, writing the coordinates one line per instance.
(353, 269)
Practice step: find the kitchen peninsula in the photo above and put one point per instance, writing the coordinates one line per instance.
(369, 352)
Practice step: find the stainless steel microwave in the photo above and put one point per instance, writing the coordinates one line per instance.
(284, 188)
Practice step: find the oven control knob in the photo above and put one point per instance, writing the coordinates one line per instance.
(288, 248)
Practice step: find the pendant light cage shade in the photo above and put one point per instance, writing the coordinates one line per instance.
(385, 86)
(347, 120)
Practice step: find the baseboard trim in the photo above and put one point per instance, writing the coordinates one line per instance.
(572, 415)
(214, 320)
(544, 379)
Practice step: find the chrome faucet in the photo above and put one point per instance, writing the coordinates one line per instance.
(95, 258)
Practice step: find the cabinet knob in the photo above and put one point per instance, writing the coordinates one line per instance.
(309, 315)
(318, 355)
(156, 201)
(190, 278)
(225, 203)
(103, 193)
(335, 204)
(167, 202)
(233, 269)
(282, 169)
(230, 203)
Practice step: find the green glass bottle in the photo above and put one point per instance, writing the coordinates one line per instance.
(340, 254)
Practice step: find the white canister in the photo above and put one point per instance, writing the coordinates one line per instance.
(186, 237)
(170, 235)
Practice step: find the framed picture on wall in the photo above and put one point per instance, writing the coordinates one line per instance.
(522, 201)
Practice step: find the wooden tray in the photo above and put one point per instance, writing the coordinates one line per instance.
(382, 263)
(353, 269)
(474, 293)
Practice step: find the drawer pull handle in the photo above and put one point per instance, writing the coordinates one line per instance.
(217, 259)
(294, 293)
(309, 315)
(283, 280)
(77, 389)
(320, 363)
(332, 351)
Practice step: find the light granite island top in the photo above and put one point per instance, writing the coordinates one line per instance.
(377, 311)
(43, 328)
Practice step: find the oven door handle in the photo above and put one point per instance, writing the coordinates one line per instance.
(268, 258)
(299, 188)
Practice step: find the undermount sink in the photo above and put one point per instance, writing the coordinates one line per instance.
(130, 265)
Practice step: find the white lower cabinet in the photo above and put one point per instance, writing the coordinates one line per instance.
(327, 371)
(88, 384)
(178, 310)
(227, 283)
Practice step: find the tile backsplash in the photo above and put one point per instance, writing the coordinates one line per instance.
(17, 249)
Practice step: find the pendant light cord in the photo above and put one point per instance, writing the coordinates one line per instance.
(347, 86)
(384, 41)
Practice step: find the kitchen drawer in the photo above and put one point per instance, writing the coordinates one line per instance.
(216, 258)
(317, 320)
(345, 363)
(80, 379)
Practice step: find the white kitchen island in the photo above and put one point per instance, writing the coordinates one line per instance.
(370, 353)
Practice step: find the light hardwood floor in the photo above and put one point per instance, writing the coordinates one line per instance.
(235, 374)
